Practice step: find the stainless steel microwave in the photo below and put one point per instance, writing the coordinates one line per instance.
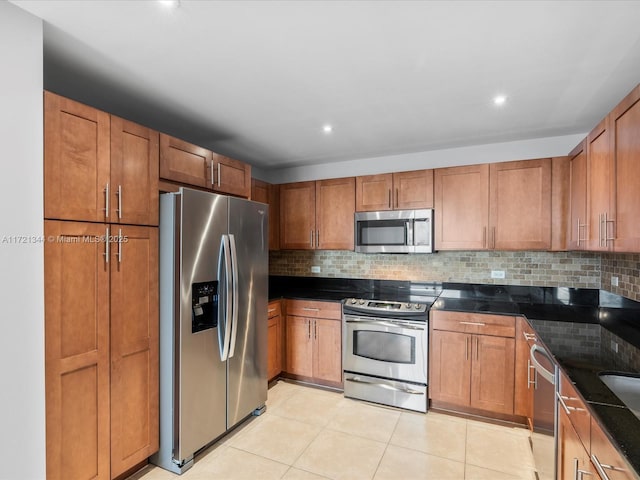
(399, 231)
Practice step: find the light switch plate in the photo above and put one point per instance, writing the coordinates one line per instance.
(497, 274)
(315, 269)
(614, 281)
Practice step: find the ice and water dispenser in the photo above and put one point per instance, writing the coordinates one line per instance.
(204, 306)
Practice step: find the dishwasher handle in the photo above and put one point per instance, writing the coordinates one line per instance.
(546, 374)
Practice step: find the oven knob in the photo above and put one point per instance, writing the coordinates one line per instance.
(353, 301)
(361, 302)
(417, 306)
(409, 305)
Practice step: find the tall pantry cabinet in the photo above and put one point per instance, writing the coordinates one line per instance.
(101, 291)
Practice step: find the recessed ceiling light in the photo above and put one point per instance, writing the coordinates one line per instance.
(327, 129)
(499, 100)
(169, 3)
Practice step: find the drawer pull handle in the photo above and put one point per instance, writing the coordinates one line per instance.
(309, 309)
(271, 310)
(602, 466)
(410, 391)
(480, 324)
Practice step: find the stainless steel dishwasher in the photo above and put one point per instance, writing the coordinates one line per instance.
(543, 437)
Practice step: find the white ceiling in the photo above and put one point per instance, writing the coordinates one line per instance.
(257, 80)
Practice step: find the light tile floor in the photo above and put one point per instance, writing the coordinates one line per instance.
(308, 433)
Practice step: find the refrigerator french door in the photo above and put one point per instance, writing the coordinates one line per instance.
(213, 297)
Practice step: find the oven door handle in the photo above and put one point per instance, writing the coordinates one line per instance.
(385, 386)
(382, 323)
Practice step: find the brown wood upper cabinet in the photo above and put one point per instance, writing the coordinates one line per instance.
(625, 153)
(231, 176)
(599, 185)
(184, 162)
(578, 222)
(502, 206)
(270, 194)
(605, 182)
(395, 191)
(520, 205)
(98, 167)
(190, 164)
(317, 215)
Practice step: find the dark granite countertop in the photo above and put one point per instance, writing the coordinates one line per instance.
(561, 316)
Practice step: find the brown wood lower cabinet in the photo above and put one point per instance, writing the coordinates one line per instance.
(274, 340)
(314, 344)
(524, 372)
(573, 458)
(605, 458)
(470, 370)
(101, 348)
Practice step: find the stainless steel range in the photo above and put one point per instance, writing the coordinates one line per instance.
(385, 351)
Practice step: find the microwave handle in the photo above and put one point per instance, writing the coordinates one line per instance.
(409, 230)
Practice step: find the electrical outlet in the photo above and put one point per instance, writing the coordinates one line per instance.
(497, 274)
(614, 346)
(614, 281)
(315, 269)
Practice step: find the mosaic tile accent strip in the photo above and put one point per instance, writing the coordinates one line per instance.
(545, 269)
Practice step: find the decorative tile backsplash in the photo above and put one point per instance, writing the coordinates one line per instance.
(547, 269)
(625, 266)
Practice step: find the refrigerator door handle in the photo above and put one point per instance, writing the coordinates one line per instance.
(234, 295)
(224, 320)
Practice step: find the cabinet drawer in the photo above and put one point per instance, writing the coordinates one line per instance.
(483, 324)
(574, 407)
(314, 309)
(274, 309)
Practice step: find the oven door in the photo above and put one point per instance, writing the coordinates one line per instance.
(393, 349)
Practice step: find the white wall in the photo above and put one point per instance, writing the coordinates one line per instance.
(22, 406)
(494, 152)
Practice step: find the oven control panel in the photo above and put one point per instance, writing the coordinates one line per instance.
(360, 304)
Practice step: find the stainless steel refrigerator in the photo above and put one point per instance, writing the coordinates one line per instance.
(213, 319)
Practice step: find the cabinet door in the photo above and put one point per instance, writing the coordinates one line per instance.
(520, 205)
(335, 208)
(461, 207)
(134, 346)
(185, 163)
(134, 173)
(492, 373)
(297, 215)
(76, 350)
(599, 178)
(259, 191)
(327, 351)
(578, 198)
(413, 190)
(572, 457)
(299, 346)
(607, 456)
(523, 398)
(274, 217)
(450, 367)
(76, 160)
(274, 339)
(373, 192)
(231, 176)
(273, 343)
(625, 125)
